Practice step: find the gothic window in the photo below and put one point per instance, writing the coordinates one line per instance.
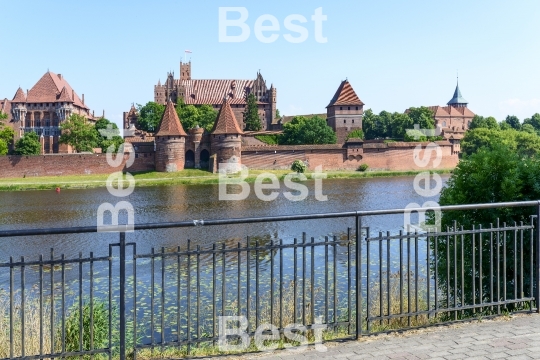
(444, 123)
(47, 122)
(46, 132)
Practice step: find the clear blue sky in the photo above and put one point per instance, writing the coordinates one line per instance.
(396, 54)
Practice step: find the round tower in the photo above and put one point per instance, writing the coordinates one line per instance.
(226, 140)
(195, 137)
(170, 142)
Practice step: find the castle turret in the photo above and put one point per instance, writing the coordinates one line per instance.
(226, 138)
(170, 142)
(457, 100)
(18, 106)
(345, 111)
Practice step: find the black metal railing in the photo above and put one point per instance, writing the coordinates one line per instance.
(354, 283)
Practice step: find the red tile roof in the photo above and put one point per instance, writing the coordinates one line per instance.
(48, 89)
(345, 95)
(226, 121)
(19, 97)
(170, 123)
(200, 92)
(445, 111)
(64, 96)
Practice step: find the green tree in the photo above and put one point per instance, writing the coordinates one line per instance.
(496, 174)
(150, 116)
(368, 124)
(522, 142)
(401, 123)
(528, 128)
(28, 145)
(251, 114)
(513, 121)
(355, 134)
(110, 135)
(278, 115)
(304, 131)
(3, 116)
(483, 122)
(422, 116)
(191, 116)
(79, 133)
(6, 134)
(534, 121)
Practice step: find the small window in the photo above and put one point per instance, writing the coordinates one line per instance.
(344, 121)
(357, 108)
(340, 108)
(348, 108)
(353, 121)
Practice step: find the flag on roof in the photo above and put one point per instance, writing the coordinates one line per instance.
(188, 51)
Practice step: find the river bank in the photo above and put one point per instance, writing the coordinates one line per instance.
(185, 177)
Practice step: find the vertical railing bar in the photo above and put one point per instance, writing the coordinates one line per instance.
(188, 294)
(531, 257)
(63, 299)
(41, 304)
(223, 276)
(455, 295)
(491, 266)
(12, 307)
(280, 284)
(381, 293)
(368, 284)
(436, 285)
(91, 293)
(537, 269)
(401, 272)
(473, 272)
(416, 272)
(162, 300)
(462, 272)
(335, 282)
(239, 276)
(152, 304)
(248, 283)
(515, 263)
(480, 268)
(81, 328)
(214, 290)
(448, 269)
(179, 297)
(504, 266)
(312, 277)
(271, 252)
(134, 259)
(198, 293)
(122, 296)
(358, 276)
(295, 280)
(326, 276)
(388, 269)
(304, 278)
(23, 303)
(110, 300)
(521, 274)
(498, 268)
(349, 280)
(408, 279)
(428, 275)
(257, 281)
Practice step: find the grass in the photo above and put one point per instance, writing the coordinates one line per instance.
(185, 177)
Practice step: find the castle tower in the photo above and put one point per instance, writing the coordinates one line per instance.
(226, 140)
(170, 142)
(457, 100)
(185, 71)
(345, 111)
(272, 101)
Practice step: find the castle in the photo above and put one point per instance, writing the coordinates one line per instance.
(211, 92)
(42, 109)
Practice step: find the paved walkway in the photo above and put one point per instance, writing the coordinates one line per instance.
(503, 338)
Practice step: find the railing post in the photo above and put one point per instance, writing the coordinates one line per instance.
(358, 276)
(122, 295)
(537, 259)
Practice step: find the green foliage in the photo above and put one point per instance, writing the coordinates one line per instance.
(513, 121)
(278, 115)
(78, 132)
(522, 142)
(492, 174)
(102, 140)
(307, 131)
(534, 121)
(298, 166)
(3, 116)
(483, 122)
(192, 116)
(386, 125)
(6, 138)
(100, 327)
(356, 134)
(528, 128)
(28, 145)
(363, 167)
(270, 139)
(251, 114)
(150, 116)
(415, 135)
(3, 147)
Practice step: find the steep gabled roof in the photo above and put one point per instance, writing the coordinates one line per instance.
(345, 95)
(457, 98)
(226, 121)
(170, 123)
(19, 97)
(64, 96)
(48, 88)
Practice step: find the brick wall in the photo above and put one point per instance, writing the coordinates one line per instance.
(67, 164)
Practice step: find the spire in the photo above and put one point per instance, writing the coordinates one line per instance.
(170, 123)
(226, 121)
(457, 99)
(19, 97)
(345, 95)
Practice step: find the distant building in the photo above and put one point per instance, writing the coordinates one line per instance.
(43, 108)
(345, 111)
(211, 92)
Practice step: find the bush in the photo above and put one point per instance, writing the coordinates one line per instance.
(298, 166)
(270, 139)
(363, 167)
(356, 134)
(101, 326)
